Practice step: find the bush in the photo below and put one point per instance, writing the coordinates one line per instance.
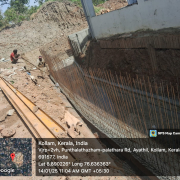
(1, 19)
(97, 9)
(11, 15)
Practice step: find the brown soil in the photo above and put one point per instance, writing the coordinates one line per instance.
(134, 61)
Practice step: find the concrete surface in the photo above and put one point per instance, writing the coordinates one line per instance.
(78, 40)
(151, 14)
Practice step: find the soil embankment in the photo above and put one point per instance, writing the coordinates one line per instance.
(54, 20)
(153, 54)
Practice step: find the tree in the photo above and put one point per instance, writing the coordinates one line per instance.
(17, 10)
(40, 2)
(32, 10)
(3, 2)
(11, 15)
(1, 19)
(18, 5)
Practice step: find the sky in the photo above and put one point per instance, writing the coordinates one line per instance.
(4, 7)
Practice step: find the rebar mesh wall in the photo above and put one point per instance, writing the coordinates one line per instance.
(123, 107)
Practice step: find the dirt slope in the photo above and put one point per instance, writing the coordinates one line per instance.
(53, 20)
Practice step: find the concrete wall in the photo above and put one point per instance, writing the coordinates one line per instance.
(78, 41)
(131, 1)
(147, 14)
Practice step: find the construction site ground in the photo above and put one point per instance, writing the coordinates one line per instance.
(49, 98)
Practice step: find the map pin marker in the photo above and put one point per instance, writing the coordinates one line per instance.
(12, 156)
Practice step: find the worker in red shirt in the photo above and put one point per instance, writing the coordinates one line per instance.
(14, 56)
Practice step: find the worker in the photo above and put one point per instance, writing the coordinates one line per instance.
(40, 58)
(40, 62)
(14, 56)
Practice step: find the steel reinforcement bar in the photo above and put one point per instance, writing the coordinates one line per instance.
(119, 109)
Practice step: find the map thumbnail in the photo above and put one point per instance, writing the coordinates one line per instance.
(21, 164)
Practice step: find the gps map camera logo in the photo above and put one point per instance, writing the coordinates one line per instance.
(153, 133)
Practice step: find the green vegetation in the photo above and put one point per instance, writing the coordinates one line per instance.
(97, 9)
(97, 2)
(1, 19)
(78, 2)
(19, 10)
